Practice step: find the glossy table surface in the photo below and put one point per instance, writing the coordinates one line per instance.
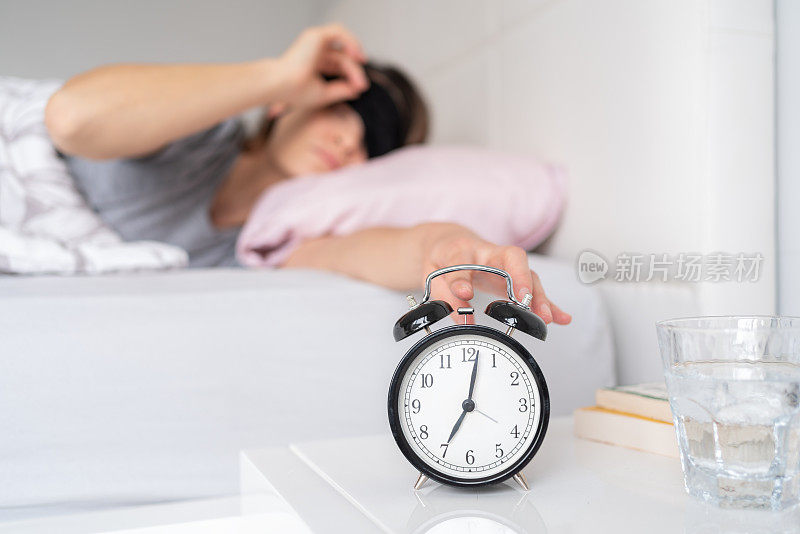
(575, 486)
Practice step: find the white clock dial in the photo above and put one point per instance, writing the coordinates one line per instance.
(462, 435)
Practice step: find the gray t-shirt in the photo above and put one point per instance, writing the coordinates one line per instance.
(166, 196)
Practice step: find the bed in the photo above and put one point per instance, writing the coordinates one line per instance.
(142, 388)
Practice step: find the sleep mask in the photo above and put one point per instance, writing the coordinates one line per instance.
(385, 127)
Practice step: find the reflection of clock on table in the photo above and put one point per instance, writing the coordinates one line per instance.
(445, 510)
(468, 404)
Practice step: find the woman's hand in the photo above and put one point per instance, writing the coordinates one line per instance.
(317, 52)
(453, 245)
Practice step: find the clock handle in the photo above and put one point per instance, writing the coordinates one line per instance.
(473, 267)
(515, 314)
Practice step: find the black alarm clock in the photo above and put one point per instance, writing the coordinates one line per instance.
(468, 404)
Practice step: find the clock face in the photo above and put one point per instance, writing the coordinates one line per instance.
(470, 403)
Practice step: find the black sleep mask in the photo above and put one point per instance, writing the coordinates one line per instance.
(385, 128)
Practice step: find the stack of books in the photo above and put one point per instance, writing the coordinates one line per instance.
(637, 417)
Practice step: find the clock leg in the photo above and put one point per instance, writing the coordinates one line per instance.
(520, 479)
(420, 481)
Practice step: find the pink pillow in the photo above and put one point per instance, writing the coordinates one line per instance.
(507, 199)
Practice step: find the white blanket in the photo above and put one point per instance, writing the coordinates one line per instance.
(45, 224)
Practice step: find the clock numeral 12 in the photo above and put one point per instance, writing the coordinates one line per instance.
(469, 354)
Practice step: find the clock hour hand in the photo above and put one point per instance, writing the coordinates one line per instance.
(468, 405)
(457, 425)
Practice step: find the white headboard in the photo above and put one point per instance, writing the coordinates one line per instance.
(661, 110)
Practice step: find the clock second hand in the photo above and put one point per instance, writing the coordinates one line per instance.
(486, 415)
(468, 405)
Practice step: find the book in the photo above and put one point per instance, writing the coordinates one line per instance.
(626, 430)
(648, 400)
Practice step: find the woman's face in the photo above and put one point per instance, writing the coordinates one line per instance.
(315, 141)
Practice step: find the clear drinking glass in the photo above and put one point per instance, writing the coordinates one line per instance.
(734, 390)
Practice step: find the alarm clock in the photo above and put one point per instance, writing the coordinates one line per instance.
(468, 405)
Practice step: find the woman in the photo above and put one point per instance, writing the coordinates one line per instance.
(156, 152)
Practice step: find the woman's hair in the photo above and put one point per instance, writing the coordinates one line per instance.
(409, 103)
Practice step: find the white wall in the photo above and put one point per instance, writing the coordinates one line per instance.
(661, 110)
(788, 130)
(45, 38)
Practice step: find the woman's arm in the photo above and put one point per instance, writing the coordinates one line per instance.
(401, 258)
(130, 110)
(119, 111)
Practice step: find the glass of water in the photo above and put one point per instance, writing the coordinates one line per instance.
(734, 390)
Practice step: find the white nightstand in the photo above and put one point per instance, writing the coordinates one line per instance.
(365, 485)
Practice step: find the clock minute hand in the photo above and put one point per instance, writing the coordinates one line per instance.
(474, 374)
